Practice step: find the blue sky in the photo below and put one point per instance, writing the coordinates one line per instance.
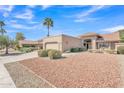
(70, 20)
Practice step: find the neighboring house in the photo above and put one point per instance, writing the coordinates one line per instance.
(59, 42)
(97, 41)
(88, 41)
(27, 43)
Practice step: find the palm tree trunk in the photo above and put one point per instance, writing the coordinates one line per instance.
(6, 49)
(48, 32)
(0, 29)
(0, 26)
(2, 33)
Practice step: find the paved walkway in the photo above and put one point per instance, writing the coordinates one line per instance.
(121, 62)
(5, 79)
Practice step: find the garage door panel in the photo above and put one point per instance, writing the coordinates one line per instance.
(52, 46)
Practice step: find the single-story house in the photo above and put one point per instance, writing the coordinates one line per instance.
(61, 42)
(97, 41)
(27, 43)
(88, 41)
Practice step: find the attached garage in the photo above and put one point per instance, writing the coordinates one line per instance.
(61, 42)
(52, 45)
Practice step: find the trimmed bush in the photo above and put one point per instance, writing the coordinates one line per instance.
(121, 32)
(110, 51)
(77, 49)
(42, 53)
(82, 49)
(26, 50)
(120, 50)
(48, 51)
(74, 50)
(17, 47)
(54, 54)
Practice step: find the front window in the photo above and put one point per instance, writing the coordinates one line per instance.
(104, 45)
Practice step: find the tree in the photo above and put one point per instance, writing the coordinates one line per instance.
(13, 43)
(121, 32)
(2, 31)
(2, 23)
(48, 23)
(5, 40)
(19, 36)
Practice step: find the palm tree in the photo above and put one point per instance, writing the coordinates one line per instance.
(2, 23)
(49, 23)
(5, 40)
(2, 31)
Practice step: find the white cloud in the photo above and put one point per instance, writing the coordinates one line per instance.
(73, 6)
(28, 25)
(113, 29)
(6, 10)
(12, 21)
(20, 26)
(16, 25)
(33, 22)
(27, 14)
(90, 11)
(31, 6)
(11, 31)
(5, 14)
(44, 7)
(84, 19)
(84, 16)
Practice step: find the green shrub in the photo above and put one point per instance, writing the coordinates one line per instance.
(48, 51)
(32, 48)
(54, 54)
(42, 53)
(74, 50)
(26, 49)
(77, 49)
(120, 50)
(17, 47)
(121, 32)
(110, 51)
(82, 49)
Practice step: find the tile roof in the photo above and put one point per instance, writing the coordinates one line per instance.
(89, 34)
(30, 42)
(112, 36)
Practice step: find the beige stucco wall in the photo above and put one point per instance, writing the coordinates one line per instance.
(117, 45)
(64, 42)
(94, 46)
(70, 42)
(53, 39)
(93, 41)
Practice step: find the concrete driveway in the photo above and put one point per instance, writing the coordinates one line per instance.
(121, 62)
(5, 79)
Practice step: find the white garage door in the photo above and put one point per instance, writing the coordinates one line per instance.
(52, 46)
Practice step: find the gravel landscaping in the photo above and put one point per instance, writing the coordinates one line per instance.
(24, 78)
(82, 70)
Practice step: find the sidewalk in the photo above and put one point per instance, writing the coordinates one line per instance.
(5, 79)
(121, 62)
